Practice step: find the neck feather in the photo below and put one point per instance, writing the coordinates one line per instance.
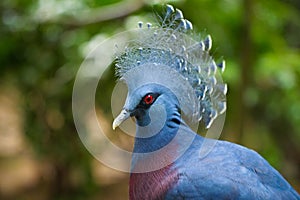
(163, 137)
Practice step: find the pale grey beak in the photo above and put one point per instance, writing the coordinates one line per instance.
(125, 114)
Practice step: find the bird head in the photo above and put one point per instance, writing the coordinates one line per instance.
(164, 66)
(155, 93)
(145, 102)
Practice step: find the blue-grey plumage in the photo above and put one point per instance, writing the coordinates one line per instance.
(166, 73)
(229, 171)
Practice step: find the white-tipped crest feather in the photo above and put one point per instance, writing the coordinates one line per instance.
(170, 44)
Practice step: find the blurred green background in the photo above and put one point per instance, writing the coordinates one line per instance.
(42, 44)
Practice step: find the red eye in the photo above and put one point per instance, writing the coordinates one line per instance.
(148, 99)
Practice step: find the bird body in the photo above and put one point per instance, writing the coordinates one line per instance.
(229, 171)
(167, 162)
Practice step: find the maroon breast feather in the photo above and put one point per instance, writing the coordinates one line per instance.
(152, 185)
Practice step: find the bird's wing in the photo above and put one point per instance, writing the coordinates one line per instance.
(229, 172)
(266, 175)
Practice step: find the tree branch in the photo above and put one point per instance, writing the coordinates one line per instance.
(101, 14)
